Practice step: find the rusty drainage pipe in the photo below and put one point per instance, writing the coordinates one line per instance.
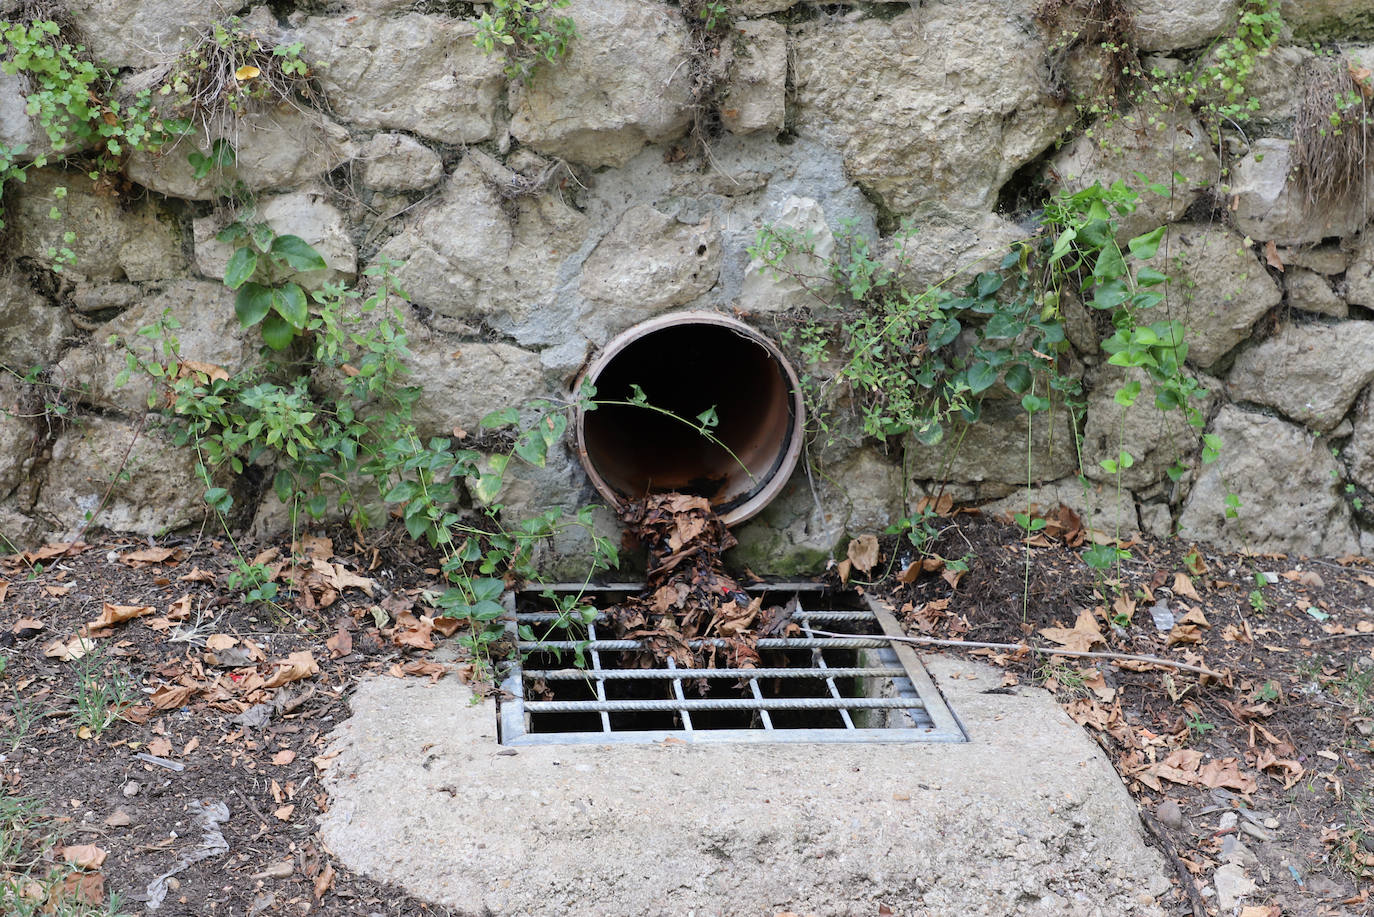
(687, 363)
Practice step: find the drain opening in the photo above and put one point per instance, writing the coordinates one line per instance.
(856, 688)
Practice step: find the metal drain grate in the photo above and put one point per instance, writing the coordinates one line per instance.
(811, 688)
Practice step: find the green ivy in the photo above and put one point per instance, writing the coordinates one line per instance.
(527, 33)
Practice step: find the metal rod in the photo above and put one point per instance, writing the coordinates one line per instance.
(600, 682)
(677, 692)
(891, 671)
(725, 703)
(766, 643)
(545, 617)
(758, 696)
(819, 658)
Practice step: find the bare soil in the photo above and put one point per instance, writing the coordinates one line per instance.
(1266, 767)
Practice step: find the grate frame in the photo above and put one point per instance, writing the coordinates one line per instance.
(911, 694)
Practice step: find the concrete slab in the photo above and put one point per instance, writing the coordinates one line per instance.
(1026, 818)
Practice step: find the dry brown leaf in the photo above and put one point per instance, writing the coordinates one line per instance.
(1083, 636)
(147, 556)
(26, 627)
(213, 372)
(842, 570)
(197, 575)
(1261, 910)
(414, 632)
(342, 578)
(84, 856)
(863, 553)
(4, 588)
(339, 645)
(1095, 682)
(170, 697)
(284, 757)
(324, 881)
(111, 615)
(190, 746)
(294, 667)
(161, 746)
(446, 627)
(218, 642)
(59, 591)
(1183, 586)
(1271, 256)
(68, 650)
(284, 812)
(422, 667)
(180, 610)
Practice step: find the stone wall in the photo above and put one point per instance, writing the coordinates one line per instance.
(535, 222)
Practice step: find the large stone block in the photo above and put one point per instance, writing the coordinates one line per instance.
(152, 484)
(413, 72)
(942, 101)
(649, 263)
(1346, 18)
(462, 382)
(1287, 483)
(1217, 288)
(1359, 278)
(755, 95)
(1311, 292)
(805, 280)
(1129, 145)
(32, 330)
(1166, 25)
(625, 82)
(209, 332)
(143, 33)
(1358, 454)
(1309, 373)
(1100, 506)
(110, 241)
(273, 148)
(472, 254)
(1005, 446)
(1155, 439)
(19, 438)
(950, 247)
(307, 214)
(1269, 205)
(398, 162)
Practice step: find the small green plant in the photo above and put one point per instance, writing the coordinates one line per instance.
(527, 32)
(24, 713)
(1267, 692)
(101, 693)
(1068, 679)
(1197, 726)
(254, 581)
(263, 270)
(714, 13)
(1256, 597)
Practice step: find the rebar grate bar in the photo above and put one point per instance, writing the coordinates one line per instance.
(852, 688)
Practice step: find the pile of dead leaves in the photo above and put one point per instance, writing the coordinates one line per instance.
(688, 595)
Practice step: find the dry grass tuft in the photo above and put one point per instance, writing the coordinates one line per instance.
(1331, 137)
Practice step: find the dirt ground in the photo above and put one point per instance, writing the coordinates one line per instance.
(1257, 776)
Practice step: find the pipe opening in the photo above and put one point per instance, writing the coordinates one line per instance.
(687, 364)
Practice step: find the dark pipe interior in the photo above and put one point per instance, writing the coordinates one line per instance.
(686, 369)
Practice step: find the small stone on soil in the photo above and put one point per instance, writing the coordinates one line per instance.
(119, 819)
(131, 789)
(1169, 815)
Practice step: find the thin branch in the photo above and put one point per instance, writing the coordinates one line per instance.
(1044, 651)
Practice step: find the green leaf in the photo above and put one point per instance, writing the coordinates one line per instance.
(943, 332)
(219, 499)
(298, 253)
(1033, 404)
(252, 303)
(501, 418)
(981, 376)
(1145, 246)
(1149, 277)
(289, 302)
(988, 283)
(1003, 326)
(242, 263)
(708, 418)
(532, 448)
(277, 333)
(1127, 394)
(1018, 378)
